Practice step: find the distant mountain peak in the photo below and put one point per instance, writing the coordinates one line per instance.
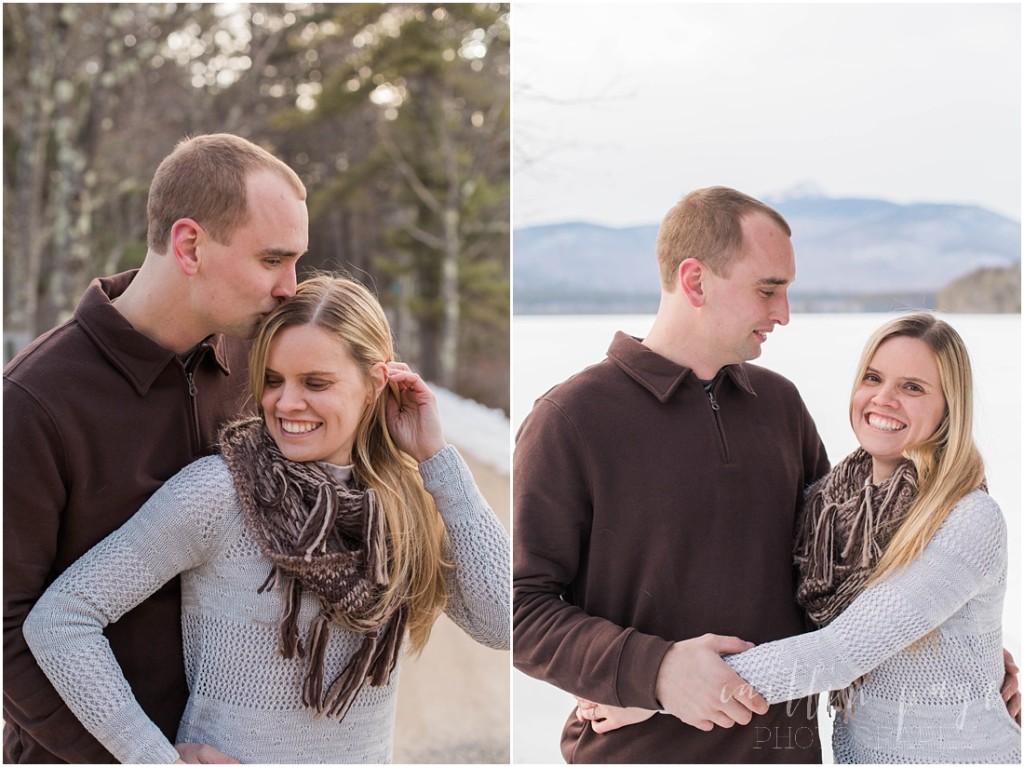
(805, 190)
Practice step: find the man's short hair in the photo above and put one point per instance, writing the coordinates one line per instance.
(204, 179)
(706, 224)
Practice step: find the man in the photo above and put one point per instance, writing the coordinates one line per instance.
(101, 410)
(655, 495)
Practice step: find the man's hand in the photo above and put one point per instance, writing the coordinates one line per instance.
(1011, 688)
(699, 688)
(199, 753)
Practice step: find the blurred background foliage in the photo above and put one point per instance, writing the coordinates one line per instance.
(395, 115)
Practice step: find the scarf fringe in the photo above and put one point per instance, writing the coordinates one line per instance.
(376, 539)
(842, 700)
(374, 661)
(321, 518)
(290, 642)
(313, 684)
(343, 691)
(386, 657)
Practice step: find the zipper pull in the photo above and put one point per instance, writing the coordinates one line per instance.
(714, 402)
(190, 363)
(709, 389)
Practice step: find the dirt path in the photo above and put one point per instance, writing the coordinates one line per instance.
(453, 701)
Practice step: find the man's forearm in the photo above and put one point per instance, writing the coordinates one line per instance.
(582, 654)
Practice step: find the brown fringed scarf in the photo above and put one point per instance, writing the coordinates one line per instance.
(330, 539)
(846, 524)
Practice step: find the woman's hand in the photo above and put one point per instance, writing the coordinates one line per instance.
(199, 753)
(1011, 691)
(604, 718)
(413, 418)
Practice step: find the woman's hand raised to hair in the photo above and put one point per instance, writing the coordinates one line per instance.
(413, 417)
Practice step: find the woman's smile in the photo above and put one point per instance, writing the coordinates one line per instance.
(298, 427)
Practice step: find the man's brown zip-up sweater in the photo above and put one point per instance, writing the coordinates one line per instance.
(648, 511)
(96, 417)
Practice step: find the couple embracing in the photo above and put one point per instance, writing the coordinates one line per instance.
(690, 567)
(218, 551)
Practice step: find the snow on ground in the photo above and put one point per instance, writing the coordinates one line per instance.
(475, 428)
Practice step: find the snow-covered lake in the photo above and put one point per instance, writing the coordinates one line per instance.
(818, 352)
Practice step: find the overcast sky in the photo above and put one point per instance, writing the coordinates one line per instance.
(621, 108)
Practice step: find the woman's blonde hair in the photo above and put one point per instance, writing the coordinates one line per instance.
(350, 313)
(948, 463)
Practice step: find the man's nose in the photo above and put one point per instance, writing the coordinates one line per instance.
(285, 287)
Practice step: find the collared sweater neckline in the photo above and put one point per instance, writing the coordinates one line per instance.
(659, 375)
(139, 358)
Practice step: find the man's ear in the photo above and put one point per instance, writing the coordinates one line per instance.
(185, 237)
(378, 380)
(690, 276)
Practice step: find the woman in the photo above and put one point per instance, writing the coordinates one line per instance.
(311, 552)
(902, 558)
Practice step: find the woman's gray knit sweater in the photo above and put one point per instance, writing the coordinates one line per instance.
(245, 699)
(934, 700)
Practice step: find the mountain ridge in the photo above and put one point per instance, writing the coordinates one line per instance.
(847, 248)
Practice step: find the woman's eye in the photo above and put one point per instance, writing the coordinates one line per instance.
(272, 382)
(317, 384)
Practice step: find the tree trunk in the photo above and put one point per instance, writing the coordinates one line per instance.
(32, 171)
(448, 351)
(452, 252)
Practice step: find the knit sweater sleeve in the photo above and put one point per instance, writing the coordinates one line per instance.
(965, 556)
(478, 585)
(178, 528)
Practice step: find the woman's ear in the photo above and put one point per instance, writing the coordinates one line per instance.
(378, 380)
(185, 234)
